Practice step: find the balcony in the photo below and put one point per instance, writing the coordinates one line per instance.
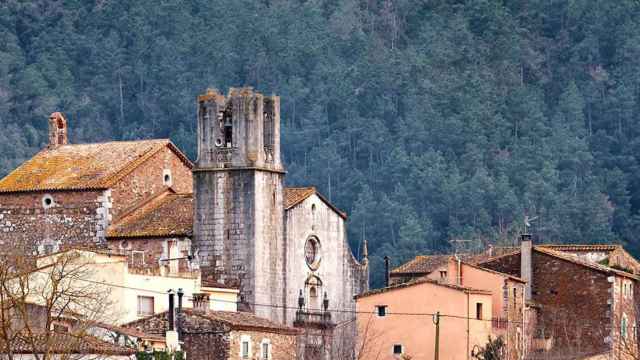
(499, 323)
(317, 319)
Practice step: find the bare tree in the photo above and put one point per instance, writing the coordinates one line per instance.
(44, 299)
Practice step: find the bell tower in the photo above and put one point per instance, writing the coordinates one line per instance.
(238, 187)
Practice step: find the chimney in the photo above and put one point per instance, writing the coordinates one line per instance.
(200, 302)
(171, 311)
(526, 271)
(171, 336)
(180, 295)
(386, 271)
(57, 130)
(179, 311)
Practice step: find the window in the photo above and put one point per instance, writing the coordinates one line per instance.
(245, 347)
(623, 326)
(167, 179)
(397, 349)
(479, 311)
(381, 310)
(265, 349)
(137, 258)
(47, 201)
(443, 274)
(145, 306)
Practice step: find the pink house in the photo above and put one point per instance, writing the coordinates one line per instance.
(509, 309)
(474, 303)
(397, 322)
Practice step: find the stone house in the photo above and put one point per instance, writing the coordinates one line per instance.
(69, 194)
(585, 296)
(222, 335)
(398, 320)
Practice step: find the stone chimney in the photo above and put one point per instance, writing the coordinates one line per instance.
(57, 130)
(526, 264)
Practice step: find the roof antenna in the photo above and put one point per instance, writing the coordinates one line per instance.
(527, 223)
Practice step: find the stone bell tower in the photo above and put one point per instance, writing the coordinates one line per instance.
(238, 187)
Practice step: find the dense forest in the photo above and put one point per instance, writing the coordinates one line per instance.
(433, 123)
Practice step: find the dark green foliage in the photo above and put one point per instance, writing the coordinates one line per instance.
(493, 350)
(428, 121)
(160, 355)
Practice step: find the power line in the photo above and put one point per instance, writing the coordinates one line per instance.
(335, 310)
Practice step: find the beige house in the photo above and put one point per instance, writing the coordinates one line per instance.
(125, 295)
(398, 320)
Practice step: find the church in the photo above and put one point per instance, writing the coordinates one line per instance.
(228, 213)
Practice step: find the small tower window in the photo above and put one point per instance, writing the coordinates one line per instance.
(381, 310)
(227, 129)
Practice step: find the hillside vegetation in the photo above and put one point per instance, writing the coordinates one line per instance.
(426, 120)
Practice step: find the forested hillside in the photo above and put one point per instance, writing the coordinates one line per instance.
(426, 120)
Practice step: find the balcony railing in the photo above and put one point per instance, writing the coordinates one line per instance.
(313, 318)
(499, 323)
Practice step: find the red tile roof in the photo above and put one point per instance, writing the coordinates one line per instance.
(294, 196)
(425, 264)
(83, 166)
(423, 280)
(168, 214)
(235, 320)
(421, 264)
(64, 343)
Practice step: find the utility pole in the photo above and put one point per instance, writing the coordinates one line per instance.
(436, 321)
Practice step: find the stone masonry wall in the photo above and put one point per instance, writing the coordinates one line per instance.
(573, 299)
(74, 218)
(283, 346)
(148, 180)
(239, 236)
(514, 308)
(625, 306)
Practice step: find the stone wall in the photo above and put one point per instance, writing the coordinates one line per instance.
(148, 180)
(341, 275)
(573, 300)
(238, 235)
(73, 218)
(283, 346)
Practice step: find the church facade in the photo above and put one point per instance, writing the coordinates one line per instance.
(227, 215)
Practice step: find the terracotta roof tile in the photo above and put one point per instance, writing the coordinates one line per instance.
(64, 343)
(294, 196)
(421, 264)
(83, 166)
(425, 264)
(578, 247)
(580, 261)
(168, 214)
(423, 280)
(239, 320)
(236, 320)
